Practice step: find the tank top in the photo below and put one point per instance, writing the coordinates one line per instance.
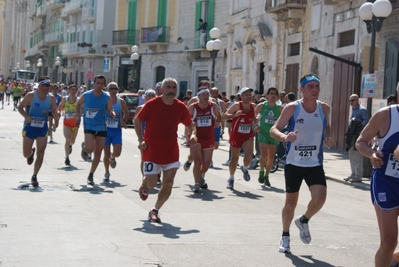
(204, 120)
(242, 125)
(115, 123)
(268, 117)
(388, 143)
(307, 150)
(38, 111)
(95, 108)
(70, 111)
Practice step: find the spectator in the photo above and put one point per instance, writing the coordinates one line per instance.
(202, 29)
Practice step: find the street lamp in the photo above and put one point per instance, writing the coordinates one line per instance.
(213, 46)
(373, 14)
(27, 64)
(134, 57)
(39, 65)
(17, 66)
(57, 63)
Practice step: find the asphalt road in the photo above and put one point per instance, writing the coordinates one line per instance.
(66, 223)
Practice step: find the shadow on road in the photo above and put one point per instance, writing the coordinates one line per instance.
(92, 189)
(273, 189)
(68, 168)
(297, 261)
(204, 194)
(112, 184)
(165, 229)
(246, 194)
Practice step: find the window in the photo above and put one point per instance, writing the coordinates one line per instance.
(346, 38)
(294, 49)
(316, 15)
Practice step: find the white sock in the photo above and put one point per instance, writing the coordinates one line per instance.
(231, 177)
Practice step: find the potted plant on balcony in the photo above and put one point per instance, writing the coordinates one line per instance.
(104, 45)
(89, 45)
(23, 50)
(92, 50)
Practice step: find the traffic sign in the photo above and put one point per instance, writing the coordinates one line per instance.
(90, 75)
(65, 70)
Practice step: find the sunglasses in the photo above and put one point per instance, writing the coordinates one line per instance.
(112, 88)
(352, 100)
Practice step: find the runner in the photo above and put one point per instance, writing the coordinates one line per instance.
(53, 124)
(243, 115)
(2, 91)
(8, 93)
(114, 129)
(268, 112)
(204, 114)
(68, 106)
(309, 125)
(16, 94)
(162, 116)
(95, 104)
(34, 108)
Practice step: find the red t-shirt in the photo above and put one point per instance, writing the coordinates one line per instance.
(161, 129)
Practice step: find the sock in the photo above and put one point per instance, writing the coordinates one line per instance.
(154, 209)
(303, 219)
(231, 177)
(286, 233)
(244, 167)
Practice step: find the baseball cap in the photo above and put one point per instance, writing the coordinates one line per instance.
(244, 89)
(158, 86)
(149, 92)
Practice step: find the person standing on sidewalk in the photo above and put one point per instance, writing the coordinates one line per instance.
(95, 103)
(268, 111)
(162, 116)
(384, 178)
(358, 117)
(34, 108)
(309, 126)
(114, 129)
(243, 115)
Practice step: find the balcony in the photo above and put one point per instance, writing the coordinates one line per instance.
(54, 37)
(56, 4)
(32, 52)
(278, 6)
(73, 7)
(41, 11)
(88, 13)
(96, 50)
(70, 49)
(155, 35)
(125, 39)
(43, 47)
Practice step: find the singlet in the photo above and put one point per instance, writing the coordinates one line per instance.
(16, 91)
(387, 144)
(70, 112)
(204, 120)
(94, 111)
(38, 111)
(2, 88)
(115, 123)
(242, 125)
(8, 89)
(268, 117)
(307, 150)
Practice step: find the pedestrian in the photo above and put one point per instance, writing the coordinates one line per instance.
(158, 90)
(114, 129)
(203, 30)
(243, 115)
(162, 116)
(358, 119)
(228, 125)
(2, 91)
(68, 107)
(267, 112)
(8, 93)
(205, 114)
(95, 103)
(141, 97)
(52, 123)
(34, 108)
(219, 131)
(308, 128)
(384, 178)
(16, 94)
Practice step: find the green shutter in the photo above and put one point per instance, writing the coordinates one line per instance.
(198, 11)
(131, 26)
(162, 12)
(84, 36)
(30, 42)
(211, 16)
(91, 36)
(52, 48)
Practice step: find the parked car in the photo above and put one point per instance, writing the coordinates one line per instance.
(132, 102)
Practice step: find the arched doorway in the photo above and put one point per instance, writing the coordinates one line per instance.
(159, 74)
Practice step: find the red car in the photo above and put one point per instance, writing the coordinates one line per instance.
(132, 102)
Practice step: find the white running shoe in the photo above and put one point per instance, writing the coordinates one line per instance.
(284, 245)
(304, 233)
(187, 165)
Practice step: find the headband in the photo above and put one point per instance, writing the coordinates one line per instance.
(203, 90)
(45, 81)
(311, 78)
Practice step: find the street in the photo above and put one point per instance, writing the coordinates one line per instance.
(66, 223)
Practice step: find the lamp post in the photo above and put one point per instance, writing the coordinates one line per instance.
(27, 65)
(373, 14)
(213, 46)
(134, 57)
(17, 66)
(57, 63)
(39, 65)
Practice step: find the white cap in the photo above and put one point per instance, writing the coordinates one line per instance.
(244, 89)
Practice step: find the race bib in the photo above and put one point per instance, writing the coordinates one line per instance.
(392, 168)
(305, 153)
(270, 120)
(91, 113)
(204, 121)
(69, 115)
(244, 128)
(37, 122)
(112, 123)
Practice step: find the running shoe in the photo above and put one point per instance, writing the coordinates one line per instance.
(90, 180)
(230, 183)
(67, 161)
(284, 245)
(159, 178)
(51, 139)
(143, 192)
(267, 182)
(261, 178)
(227, 163)
(34, 181)
(106, 177)
(187, 165)
(196, 188)
(202, 183)
(31, 157)
(153, 216)
(112, 163)
(245, 174)
(304, 233)
(84, 155)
